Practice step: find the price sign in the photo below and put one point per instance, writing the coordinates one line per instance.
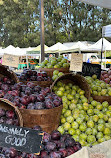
(21, 138)
(10, 60)
(89, 69)
(76, 62)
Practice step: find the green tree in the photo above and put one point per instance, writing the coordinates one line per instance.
(20, 22)
(64, 21)
(52, 15)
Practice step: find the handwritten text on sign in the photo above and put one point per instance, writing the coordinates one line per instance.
(91, 69)
(10, 60)
(23, 139)
(76, 62)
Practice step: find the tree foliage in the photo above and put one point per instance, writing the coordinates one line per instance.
(64, 21)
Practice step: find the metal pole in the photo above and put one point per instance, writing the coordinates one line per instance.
(101, 50)
(27, 61)
(41, 3)
(105, 59)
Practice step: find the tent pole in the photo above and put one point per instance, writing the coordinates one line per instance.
(101, 50)
(105, 59)
(27, 61)
(41, 3)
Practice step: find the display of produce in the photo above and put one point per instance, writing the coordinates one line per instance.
(106, 76)
(56, 74)
(32, 75)
(5, 83)
(9, 117)
(88, 123)
(56, 145)
(98, 87)
(54, 62)
(82, 123)
(13, 153)
(30, 96)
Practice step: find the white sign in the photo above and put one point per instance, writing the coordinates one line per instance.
(76, 62)
(106, 31)
(10, 60)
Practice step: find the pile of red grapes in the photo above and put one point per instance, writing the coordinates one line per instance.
(6, 80)
(106, 76)
(13, 153)
(29, 96)
(32, 75)
(8, 117)
(56, 145)
(5, 83)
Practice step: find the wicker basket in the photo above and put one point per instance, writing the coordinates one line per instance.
(76, 79)
(40, 83)
(102, 99)
(48, 119)
(7, 105)
(50, 71)
(4, 71)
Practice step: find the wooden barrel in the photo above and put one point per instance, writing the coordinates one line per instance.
(102, 99)
(7, 105)
(4, 71)
(75, 79)
(48, 119)
(51, 70)
(40, 83)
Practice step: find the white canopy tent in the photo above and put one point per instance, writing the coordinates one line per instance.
(56, 48)
(28, 49)
(14, 51)
(20, 52)
(102, 45)
(100, 3)
(78, 47)
(98, 45)
(9, 50)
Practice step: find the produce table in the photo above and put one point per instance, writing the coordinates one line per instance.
(22, 65)
(32, 65)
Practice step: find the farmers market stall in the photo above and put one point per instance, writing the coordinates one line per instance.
(66, 110)
(36, 52)
(58, 112)
(22, 65)
(11, 51)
